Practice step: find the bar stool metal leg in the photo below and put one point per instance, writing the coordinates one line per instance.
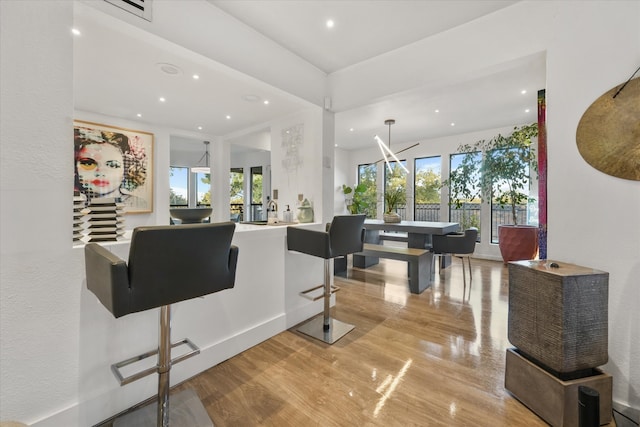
(164, 365)
(323, 327)
(326, 323)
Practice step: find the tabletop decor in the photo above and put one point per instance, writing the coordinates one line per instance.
(392, 198)
(105, 222)
(78, 213)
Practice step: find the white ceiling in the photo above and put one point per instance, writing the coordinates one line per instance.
(117, 71)
(363, 29)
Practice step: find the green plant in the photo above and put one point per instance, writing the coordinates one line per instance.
(393, 197)
(355, 203)
(503, 172)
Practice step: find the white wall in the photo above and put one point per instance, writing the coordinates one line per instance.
(306, 177)
(345, 173)
(591, 47)
(582, 64)
(39, 308)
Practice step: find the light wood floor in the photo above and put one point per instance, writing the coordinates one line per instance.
(434, 359)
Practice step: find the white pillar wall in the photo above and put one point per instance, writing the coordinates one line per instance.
(308, 175)
(39, 307)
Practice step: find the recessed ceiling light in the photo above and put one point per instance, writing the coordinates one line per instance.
(228, 117)
(437, 111)
(335, 145)
(523, 91)
(196, 77)
(169, 68)
(351, 129)
(139, 115)
(330, 23)
(453, 124)
(527, 110)
(162, 99)
(199, 127)
(75, 31)
(266, 102)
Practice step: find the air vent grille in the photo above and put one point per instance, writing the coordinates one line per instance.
(141, 8)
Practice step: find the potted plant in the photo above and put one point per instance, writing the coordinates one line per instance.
(502, 174)
(393, 197)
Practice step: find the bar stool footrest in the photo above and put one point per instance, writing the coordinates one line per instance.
(115, 368)
(306, 293)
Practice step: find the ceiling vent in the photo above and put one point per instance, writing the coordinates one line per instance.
(141, 8)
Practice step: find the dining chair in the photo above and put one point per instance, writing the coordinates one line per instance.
(459, 245)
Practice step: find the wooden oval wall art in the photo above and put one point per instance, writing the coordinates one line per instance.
(608, 134)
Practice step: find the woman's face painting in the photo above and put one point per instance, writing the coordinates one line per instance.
(100, 169)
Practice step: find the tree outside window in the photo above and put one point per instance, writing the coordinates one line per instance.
(466, 208)
(178, 186)
(427, 185)
(395, 179)
(367, 199)
(256, 193)
(236, 181)
(203, 189)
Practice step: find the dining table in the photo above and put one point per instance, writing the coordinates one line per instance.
(418, 236)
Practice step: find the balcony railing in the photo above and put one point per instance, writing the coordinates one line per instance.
(427, 212)
(469, 216)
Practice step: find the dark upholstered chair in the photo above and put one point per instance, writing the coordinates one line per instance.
(460, 245)
(345, 235)
(167, 264)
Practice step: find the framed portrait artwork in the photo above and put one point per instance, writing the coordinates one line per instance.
(113, 162)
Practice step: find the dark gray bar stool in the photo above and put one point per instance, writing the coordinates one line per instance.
(167, 264)
(345, 235)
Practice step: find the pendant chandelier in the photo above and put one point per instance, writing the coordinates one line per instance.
(386, 150)
(205, 157)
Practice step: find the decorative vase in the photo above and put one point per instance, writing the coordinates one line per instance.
(391, 217)
(518, 242)
(305, 212)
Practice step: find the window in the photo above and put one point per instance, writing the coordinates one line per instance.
(178, 186)
(367, 202)
(467, 214)
(395, 177)
(427, 179)
(203, 189)
(236, 181)
(256, 193)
